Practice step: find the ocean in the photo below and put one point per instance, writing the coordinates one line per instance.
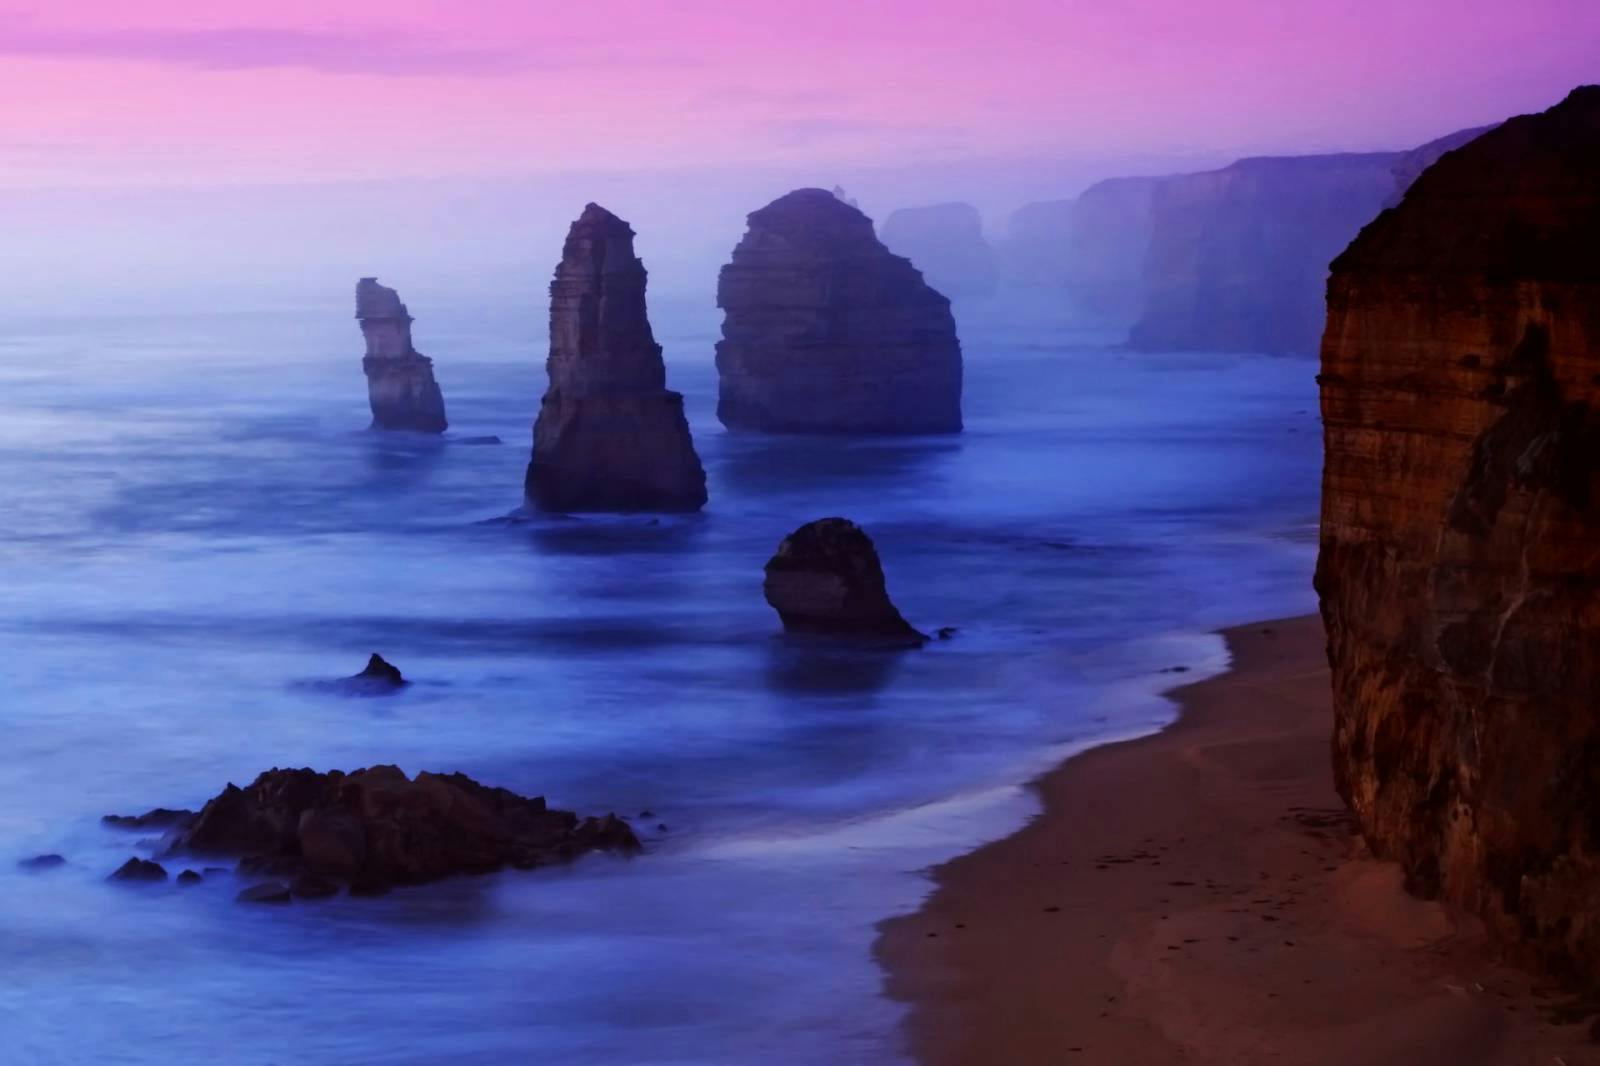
(196, 526)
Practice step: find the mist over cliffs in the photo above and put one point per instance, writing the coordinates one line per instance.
(1233, 259)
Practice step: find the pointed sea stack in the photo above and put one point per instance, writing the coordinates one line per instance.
(400, 385)
(827, 331)
(610, 436)
(1460, 565)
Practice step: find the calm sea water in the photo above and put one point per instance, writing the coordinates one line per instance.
(194, 523)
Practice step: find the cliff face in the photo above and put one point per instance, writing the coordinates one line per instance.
(400, 385)
(1460, 564)
(1408, 167)
(1086, 253)
(1238, 257)
(827, 331)
(609, 436)
(946, 241)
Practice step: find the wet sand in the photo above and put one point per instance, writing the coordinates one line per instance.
(1199, 896)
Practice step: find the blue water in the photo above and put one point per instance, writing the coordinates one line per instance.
(194, 523)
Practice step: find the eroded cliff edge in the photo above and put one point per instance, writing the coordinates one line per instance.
(1460, 566)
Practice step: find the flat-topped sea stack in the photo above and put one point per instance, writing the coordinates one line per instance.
(825, 580)
(946, 242)
(827, 331)
(400, 385)
(610, 436)
(1460, 564)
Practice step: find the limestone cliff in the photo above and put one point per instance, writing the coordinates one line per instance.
(827, 331)
(609, 436)
(1238, 257)
(1087, 254)
(1460, 565)
(400, 385)
(946, 242)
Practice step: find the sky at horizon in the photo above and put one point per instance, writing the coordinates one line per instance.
(107, 93)
(246, 154)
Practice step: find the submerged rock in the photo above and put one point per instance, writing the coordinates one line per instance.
(610, 436)
(826, 579)
(190, 877)
(266, 892)
(137, 869)
(1460, 518)
(379, 675)
(400, 385)
(42, 862)
(374, 828)
(827, 331)
(159, 818)
(313, 886)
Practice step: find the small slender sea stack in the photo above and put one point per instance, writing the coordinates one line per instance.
(400, 385)
(827, 331)
(826, 579)
(610, 436)
(1460, 563)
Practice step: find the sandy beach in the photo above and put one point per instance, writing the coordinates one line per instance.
(1199, 896)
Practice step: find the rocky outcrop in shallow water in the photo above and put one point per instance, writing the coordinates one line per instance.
(376, 828)
(826, 579)
(1459, 573)
(827, 331)
(610, 436)
(400, 385)
(378, 677)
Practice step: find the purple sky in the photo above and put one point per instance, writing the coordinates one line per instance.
(180, 92)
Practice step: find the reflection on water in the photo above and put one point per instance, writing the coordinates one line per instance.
(182, 551)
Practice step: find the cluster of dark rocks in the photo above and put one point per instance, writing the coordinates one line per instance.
(309, 834)
(826, 331)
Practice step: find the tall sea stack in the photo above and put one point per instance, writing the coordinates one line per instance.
(400, 385)
(610, 436)
(1460, 564)
(827, 331)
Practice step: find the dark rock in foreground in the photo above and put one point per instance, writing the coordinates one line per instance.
(400, 385)
(159, 818)
(1459, 568)
(827, 331)
(826, 579)
(610, 436)
(374, 828)
(137, 869)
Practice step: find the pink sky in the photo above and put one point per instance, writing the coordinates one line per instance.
(174, 91)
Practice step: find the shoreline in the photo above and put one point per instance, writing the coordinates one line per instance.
(1200, 895)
